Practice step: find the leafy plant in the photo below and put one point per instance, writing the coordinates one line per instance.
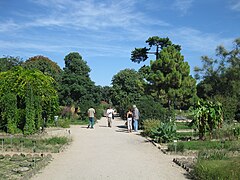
(167, 132)
(149, 126)
(207, 116)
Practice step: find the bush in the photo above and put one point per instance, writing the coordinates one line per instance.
(150, 125)
(167, 132)
(151, 109)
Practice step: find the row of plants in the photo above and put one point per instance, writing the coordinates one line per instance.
(38, 145)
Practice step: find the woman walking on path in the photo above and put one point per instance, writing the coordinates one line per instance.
(129, 120)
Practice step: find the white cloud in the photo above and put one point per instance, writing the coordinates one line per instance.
(90, 14)
(183, 5)
(197, 41)
(235, 5)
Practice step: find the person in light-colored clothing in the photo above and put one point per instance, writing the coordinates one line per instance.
(129, 120)
(135, 118)
(91, 114)
(110, 112)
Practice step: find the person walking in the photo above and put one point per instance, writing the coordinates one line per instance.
(110, 112)
(91, 115)
(129, 120)
(135, 118)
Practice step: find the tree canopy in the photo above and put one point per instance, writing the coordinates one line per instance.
(77, 88)
(219, 78)
(45, 65)
(140, 54)
(127, 89)
(168, 77)
(8, 62)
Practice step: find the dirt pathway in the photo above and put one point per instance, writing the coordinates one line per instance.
(110, 153)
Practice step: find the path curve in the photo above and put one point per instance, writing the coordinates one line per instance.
(110, 153)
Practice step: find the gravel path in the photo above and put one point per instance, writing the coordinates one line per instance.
(110, 153)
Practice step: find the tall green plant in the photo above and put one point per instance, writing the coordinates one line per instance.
(24, 96)
(167, 132)
(207, 117)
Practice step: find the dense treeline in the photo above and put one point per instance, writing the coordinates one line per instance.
(35, 90)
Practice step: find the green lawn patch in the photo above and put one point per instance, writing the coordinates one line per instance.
(218, 169)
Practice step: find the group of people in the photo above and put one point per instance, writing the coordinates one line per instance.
(132, 118)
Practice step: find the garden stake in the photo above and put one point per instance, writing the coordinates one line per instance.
(2, 144)
(21, 143)
(11, 136)
(175, 145)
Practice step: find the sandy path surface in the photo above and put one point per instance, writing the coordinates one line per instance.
(110, 153)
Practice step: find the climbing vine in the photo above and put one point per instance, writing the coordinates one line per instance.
(25, 97)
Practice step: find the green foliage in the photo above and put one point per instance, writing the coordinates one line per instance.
(220, 79)
(212, 154)
(45, 65)
(210, 145)
(64, 123)
(150, 126)
(140, 54)
(9, 62)
(152, 109)
(126, 90)
(168, 77)
(77, 88)
(179, 147)
(228, 131)
(24, 96)
(56, 140)
(207, 116)
(229, 107)
(165, 133)
(218, 169)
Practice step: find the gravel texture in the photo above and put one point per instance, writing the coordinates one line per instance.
(110, 153)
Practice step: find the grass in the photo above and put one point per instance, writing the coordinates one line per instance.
(201, 145)
(53, 144)
(183, 125)
(218, 169)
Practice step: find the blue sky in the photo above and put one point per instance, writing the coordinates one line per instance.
(105, 32)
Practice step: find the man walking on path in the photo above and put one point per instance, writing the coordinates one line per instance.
(91, 113)
(135, 118)
(110, 112)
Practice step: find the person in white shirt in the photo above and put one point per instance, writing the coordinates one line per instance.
(110, 112)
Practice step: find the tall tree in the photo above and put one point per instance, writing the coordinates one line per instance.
(77, 89)
(8, 62)
(127, 89)
(140, 54)
(45, 65)
(219, 79)
(168, 77)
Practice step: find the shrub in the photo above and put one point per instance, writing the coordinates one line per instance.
(151, 109)
(150, 125)
(167, 132)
